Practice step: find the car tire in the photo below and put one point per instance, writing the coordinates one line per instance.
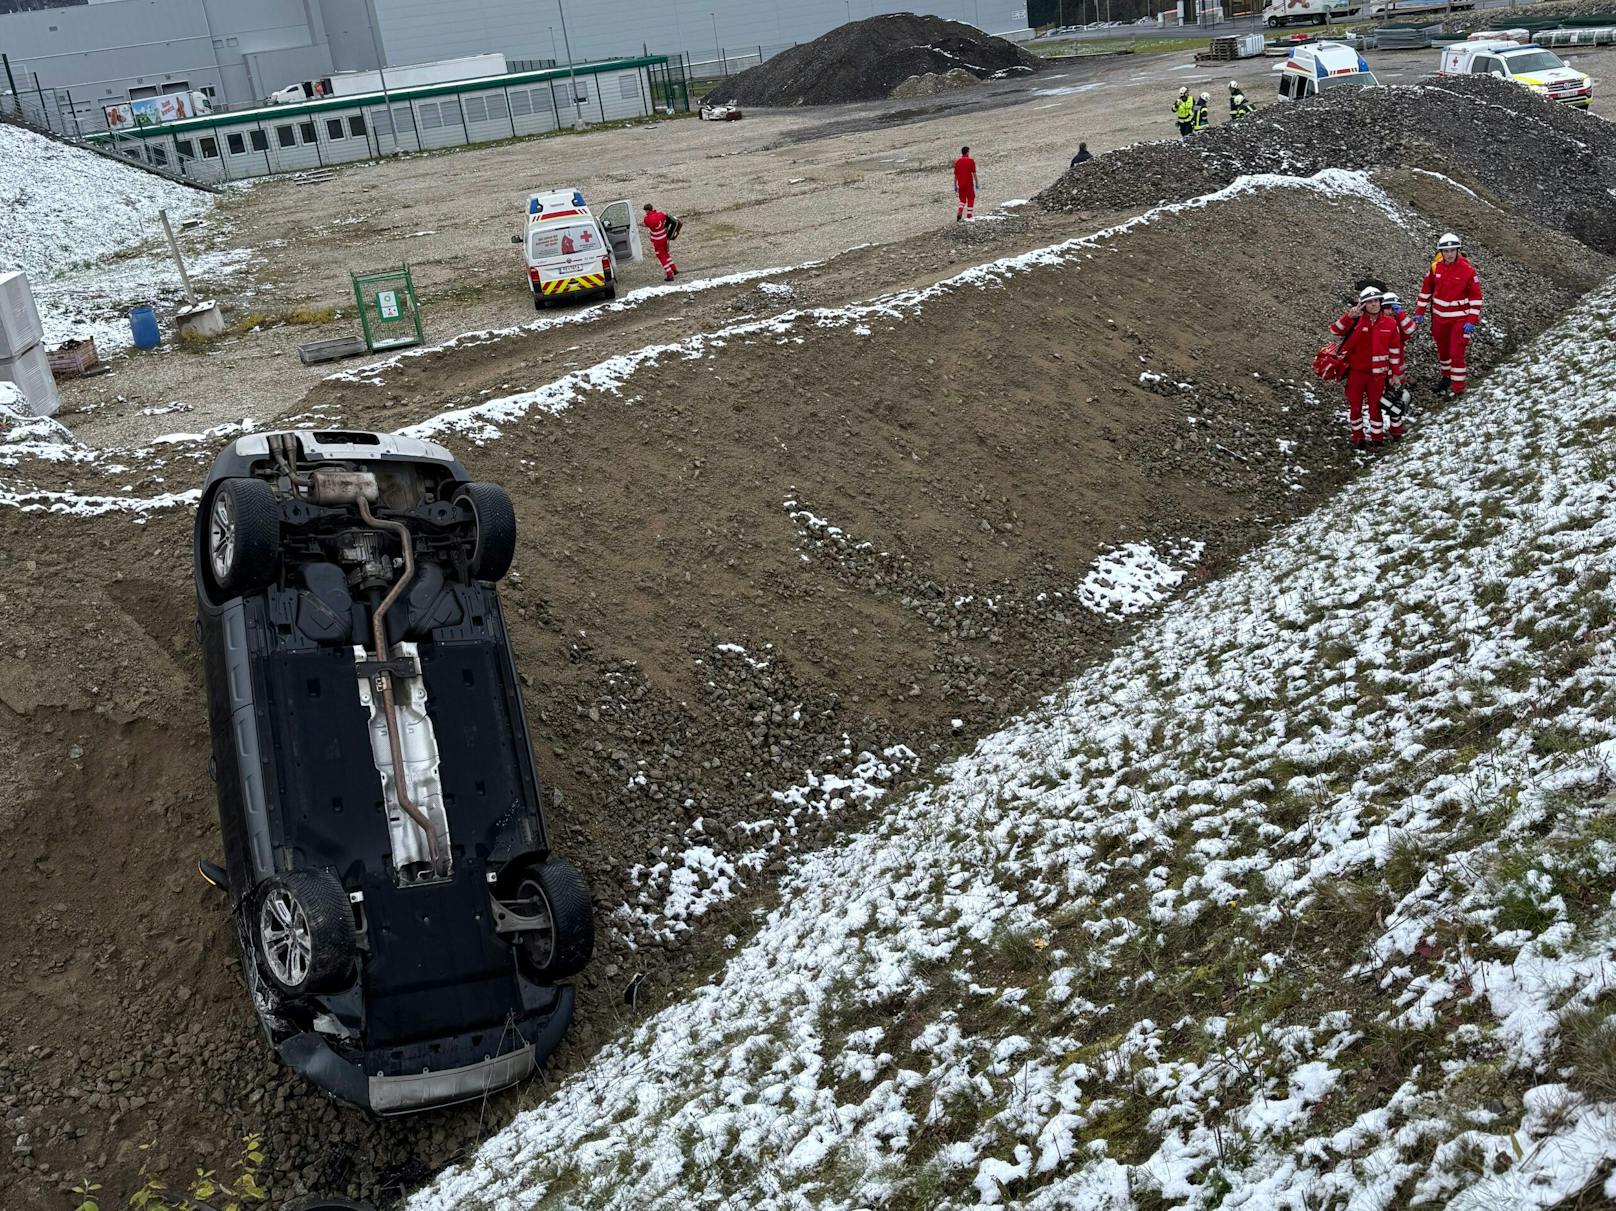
(538, 302)
(243, 535)
(610, 292)
(555, 890)
(304, 928)
(494, 522)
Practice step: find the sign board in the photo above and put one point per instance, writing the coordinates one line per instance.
(387, 304)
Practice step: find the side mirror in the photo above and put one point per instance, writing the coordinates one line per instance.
(516, 239)
(1497, 75)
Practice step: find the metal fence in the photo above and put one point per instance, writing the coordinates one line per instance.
(727, 61)
(225, 146)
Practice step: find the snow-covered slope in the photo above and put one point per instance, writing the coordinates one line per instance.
(66, 212)
(1305, 899)
(66, 207)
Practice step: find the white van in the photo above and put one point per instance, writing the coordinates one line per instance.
(1533, 67)
(1307, 12)
(1320, 67)
(570, 251)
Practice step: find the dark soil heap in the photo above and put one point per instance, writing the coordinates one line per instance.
(1551, 163)
(866, 60)
(1492, 18)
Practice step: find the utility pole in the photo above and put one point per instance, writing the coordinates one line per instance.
(381, 68)
(572, 75)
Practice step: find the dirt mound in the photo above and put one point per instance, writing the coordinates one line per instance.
(866, 60)
(1493, 18)
(1553, 164)
(933, 83)
(894, 539)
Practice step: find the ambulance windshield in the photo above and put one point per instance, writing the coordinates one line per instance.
(549, 240)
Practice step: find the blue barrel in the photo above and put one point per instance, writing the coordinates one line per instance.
(143, 324)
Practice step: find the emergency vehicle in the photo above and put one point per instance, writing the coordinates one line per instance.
(1320, 67)
(1533, 67)
(570, 251)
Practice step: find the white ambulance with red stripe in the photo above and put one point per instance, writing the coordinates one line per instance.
(571, 252)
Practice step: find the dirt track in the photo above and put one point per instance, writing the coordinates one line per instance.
(986, 449)
(777, 189)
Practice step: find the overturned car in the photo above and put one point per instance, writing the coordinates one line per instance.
(406, 931)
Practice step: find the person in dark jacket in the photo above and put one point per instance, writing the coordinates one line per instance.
(1082, 155)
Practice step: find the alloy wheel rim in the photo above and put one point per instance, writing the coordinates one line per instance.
(284, 930)
(222, 536)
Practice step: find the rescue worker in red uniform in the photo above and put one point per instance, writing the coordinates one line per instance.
(656, 226)
(1452, 293)
(1368, 342)
(1394, 403)
(965, 184)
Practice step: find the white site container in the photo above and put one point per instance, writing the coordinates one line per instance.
(32, 374)
(20, 329)
(1248, 46)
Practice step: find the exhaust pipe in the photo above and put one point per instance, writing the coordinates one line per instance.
(346, 482)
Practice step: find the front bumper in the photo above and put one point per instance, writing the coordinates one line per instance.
(347, 1077)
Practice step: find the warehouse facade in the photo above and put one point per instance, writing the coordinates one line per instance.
(75, 61)
(341, 130)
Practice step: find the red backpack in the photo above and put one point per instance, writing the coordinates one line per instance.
(1330, 362)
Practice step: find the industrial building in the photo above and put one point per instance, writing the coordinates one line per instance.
(74, 61)
(337, 130)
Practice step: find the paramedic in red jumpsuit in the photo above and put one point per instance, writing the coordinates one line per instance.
(965, 184)
(1373, 352)
(1452, 292)
(656, 226)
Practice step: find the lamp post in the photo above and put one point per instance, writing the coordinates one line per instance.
(718, 51)
(387, 100)
(572, 75)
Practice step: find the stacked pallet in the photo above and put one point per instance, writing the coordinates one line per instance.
(23, 360)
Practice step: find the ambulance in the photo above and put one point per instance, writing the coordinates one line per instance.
(571, 252)
(1318, 67)
(1533, 67)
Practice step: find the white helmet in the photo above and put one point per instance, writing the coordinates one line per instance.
(1369, 294)
(1184, 92)
(1390, 297)
(1206, 96)
(1234, 86)
(1448, 240)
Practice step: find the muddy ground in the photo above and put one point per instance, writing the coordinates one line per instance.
(777, 189)
(985, 449)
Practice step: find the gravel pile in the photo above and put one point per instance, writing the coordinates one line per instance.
(866, 60)
(1553, 164)
(1549, 10)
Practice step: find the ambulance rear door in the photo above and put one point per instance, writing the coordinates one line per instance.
(618, 221)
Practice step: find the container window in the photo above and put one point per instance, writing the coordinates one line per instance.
(260, 140)
(185, 149)
(333, 129)
(286, 136)
(210, 147)
(356, 126)
(236, 144)
(310, 135)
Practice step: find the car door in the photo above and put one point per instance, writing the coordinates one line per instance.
(618, 221)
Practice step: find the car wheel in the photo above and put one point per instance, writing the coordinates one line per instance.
(495, 524)
(244, 534)
(555, 893)
(610, 291)
(538, 302)
(305, 932)
(1273, 23)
